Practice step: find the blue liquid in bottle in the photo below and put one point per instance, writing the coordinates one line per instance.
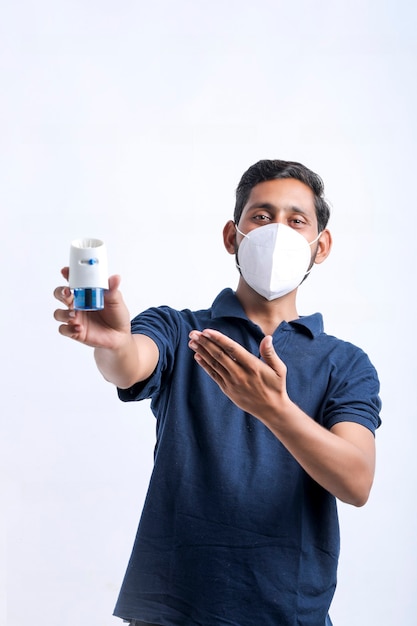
(91, 299)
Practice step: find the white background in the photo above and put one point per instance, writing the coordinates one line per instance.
(133, 121)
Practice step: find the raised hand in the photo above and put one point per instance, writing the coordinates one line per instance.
(255, 385)
(107, 328)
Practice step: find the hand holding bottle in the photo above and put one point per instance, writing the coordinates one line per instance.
(106, 328)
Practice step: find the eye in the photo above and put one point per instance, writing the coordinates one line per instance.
(262, 217)
(297, 222)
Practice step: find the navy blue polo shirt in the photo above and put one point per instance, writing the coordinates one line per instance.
(233, 531)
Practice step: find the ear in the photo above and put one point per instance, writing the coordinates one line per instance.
(229, 237)
(324, 246)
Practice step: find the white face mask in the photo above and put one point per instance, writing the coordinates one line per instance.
(274, 259)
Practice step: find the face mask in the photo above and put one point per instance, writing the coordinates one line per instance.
(274, 259)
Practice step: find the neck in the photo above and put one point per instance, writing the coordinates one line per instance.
(268, 315)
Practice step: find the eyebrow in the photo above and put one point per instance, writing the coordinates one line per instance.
(272, 207)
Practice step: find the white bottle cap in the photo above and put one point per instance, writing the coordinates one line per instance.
(88, 265)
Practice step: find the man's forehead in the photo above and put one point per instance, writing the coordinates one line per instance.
(282, 190)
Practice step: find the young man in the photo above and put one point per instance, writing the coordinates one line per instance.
(263, 420)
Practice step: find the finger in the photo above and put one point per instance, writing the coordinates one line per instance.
(214, 361)
(114, 282)
(266, 348)
(72, 331)
(69, 316)
(64, 295)
(218, 344)
(65, 272)
(211, 355)
(206, 349)
(213, 369)
(270, 357)
(112, 295)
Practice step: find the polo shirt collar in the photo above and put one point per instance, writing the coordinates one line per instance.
(227, 305)
(312, 324)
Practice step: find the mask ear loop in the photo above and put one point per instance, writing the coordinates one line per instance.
(243, 235)
(312, 263)
(240, 232)
(316, 239)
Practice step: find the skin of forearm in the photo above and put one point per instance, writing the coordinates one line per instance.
(120, 365)
(338, 465)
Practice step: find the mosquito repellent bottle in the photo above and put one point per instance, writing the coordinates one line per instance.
(88, 275)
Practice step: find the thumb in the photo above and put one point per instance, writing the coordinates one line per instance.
(270, 357)
(112, 295)
(114, 282)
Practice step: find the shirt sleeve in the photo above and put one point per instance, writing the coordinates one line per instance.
(160, 325)
(354, 393)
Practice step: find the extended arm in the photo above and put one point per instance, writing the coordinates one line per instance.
(342, 460)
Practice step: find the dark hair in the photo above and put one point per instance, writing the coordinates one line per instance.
(274, 169)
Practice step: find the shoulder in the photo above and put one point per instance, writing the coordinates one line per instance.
(344, 353)
(164, 316)
(331, 347)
